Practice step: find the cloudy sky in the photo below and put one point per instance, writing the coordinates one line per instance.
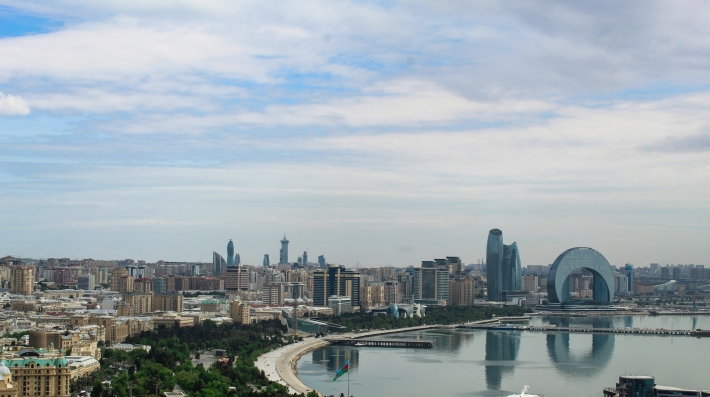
(378, 133)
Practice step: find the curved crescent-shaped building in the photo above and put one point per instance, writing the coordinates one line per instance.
(580, 258)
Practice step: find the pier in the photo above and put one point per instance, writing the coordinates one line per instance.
(589, 330)
(423, 344)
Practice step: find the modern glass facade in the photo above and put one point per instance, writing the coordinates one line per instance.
(230, 254)
(431, 281)
(504, 269)
(336, 280)
(266, 260)
(283, 253)
(580, 258)
(629, 270)
(218, 264)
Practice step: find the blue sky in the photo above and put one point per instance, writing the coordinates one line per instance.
(372, 133)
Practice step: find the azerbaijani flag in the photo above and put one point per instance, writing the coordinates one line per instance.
(342, 370)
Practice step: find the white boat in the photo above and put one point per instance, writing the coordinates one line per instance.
(524, 393)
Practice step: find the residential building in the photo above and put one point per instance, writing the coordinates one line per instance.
(23, 280)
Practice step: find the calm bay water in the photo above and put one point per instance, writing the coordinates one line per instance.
(499, 363)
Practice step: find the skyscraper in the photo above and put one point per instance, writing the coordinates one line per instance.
(321, 261)
(629, 270)
(266, 260)
(336, 280)
(218, 263)
(230, 253)
(23, 280)
(431, 281)
(237, 259)
(305, 257)
(283, 253)
(503, 266)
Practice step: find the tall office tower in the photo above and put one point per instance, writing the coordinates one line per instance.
(431, 281)
(494, 264)
(230, 253)
(237, 259)
(503, 266)
(321, 261)
(237, 278)
(299, 261)
(266, 260)
(283, 253)
(86, 282)
(305, 257)
(23, 279)
(336, 280)
(665, 273)
(629, 271)
(218, 263)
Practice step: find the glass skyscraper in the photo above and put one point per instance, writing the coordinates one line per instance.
(283, 253)
(266, 260)
(230, 253)
(503, 266)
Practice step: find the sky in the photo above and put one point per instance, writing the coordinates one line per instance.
(376, 133)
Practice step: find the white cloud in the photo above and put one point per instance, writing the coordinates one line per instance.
(13, 104)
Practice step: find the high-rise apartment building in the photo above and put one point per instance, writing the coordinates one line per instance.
(23, 280)
(431, 281)
(143, 285)
(665, 273)
(391, 292)
(116, 274)
(173, 302)
(230, 253)
(125, 284)
(503, 266)
(218, 264)
(531, 283)
(336, 280)
(677, 273)
(462, 290)
(273, 294)
(283, 253)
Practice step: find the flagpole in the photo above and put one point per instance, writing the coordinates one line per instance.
(348, 381)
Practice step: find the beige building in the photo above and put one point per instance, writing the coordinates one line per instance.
(168, 303)
(171, 320)
(462, 291)
(236, 278)
(23, 280)
(530, 283)
(116, 274)
(39, 376)
(140, 302)
(240, 312)
(82, 365)
(8, 388)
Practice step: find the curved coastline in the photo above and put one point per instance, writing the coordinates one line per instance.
(280, 365)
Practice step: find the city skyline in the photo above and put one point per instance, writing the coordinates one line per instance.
(374, 133)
